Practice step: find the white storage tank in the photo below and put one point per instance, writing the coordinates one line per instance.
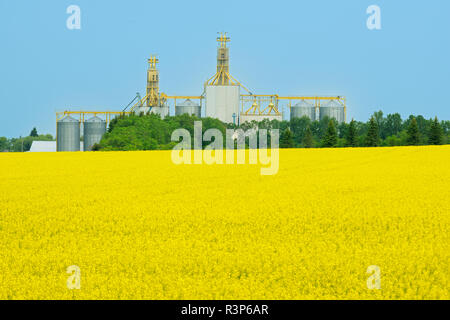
(163, 111)
(222, 102)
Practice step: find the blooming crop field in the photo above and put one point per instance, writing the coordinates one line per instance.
(140, 227)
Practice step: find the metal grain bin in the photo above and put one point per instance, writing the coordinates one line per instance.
(333, 109)
(94, 129)
(68, 132)
(188, 107)
(302, 109)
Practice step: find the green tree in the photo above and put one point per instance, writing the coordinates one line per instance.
(342, 130)
(413, 138)
(308, 139)
(4, 144)
(287, 139)
(393, 124)
(34, 133)
(96, 147)
(298, 127)
(372, 138)
(436, 135)
(393, 141)
(352, 135)
(321, 127)
(330, 138)
(381, 124)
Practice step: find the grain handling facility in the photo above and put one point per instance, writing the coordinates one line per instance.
(223, 97)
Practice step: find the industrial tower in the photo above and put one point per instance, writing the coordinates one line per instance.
(153, 102)
(152, 83)
(223, 60)
(222, 91)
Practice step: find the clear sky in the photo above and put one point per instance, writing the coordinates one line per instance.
(320, 47)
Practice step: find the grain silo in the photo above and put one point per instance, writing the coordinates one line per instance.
(222, 102)
(333, 109)
(68, 134)
(188, 107)
(302, 109)
(94, 129)
(222, 90)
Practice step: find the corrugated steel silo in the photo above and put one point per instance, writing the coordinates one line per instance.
(188, 107)
(303, 108)
(68, 132)
(334, 110)
(94, 129)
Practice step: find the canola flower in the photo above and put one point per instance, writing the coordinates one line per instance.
(140, 227)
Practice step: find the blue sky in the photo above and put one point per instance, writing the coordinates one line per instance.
(297, 47)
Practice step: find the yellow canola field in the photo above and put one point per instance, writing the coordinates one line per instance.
(140, 227)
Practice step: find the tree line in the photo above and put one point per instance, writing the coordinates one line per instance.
(23, 144)
(150, 132)
(379, 131)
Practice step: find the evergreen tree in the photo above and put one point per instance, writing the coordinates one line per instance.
(393, 124)
(413, 137)
(34, 133)
(308, 140)
(287, 139)
(4, 144)
(351, 137)
(330, 138)
(381, 124)
(298, 127)
(372, 134)
(435, 132)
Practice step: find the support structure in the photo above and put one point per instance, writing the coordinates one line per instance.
(222, 77)
(152, 97)
(153, 101)
(273, 100)
(81, 115)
